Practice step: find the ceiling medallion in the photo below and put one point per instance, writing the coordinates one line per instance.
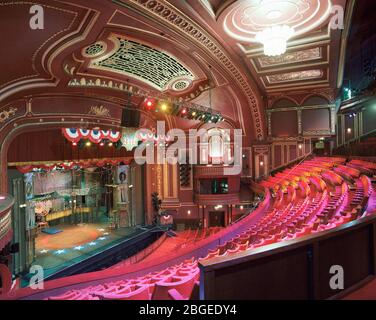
(273, 22)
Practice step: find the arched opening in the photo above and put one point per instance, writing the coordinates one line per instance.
(73, 199)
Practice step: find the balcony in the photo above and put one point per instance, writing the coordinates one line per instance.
(215, 199)
(209, 171)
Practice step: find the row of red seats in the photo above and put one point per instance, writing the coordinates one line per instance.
(301, 207)
(174, 283)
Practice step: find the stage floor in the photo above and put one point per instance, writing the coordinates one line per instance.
(74, 244)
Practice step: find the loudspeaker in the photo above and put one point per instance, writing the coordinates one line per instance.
(130, 118)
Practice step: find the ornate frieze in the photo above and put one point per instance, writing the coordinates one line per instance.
(7, 114)
(100, 111)
(291, 57)
(295, 76)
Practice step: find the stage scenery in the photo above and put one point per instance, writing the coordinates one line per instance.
(187, 150)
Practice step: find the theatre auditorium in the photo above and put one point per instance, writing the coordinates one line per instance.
(187, 150)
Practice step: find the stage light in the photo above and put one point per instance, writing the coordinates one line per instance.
(92, 244)
(349, 130)
(189, 212)
(149, 103)
(184, 111)
(261, 163)
(78, 248)
(300, 146)
(88, 144)
(74, 144)
(101, 144)
(194, 113)
(164, 107)
(60, 252)
(110, 144)
(241, 207)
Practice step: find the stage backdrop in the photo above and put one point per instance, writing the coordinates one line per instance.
(47, 182)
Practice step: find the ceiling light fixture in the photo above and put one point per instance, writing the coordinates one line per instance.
(275, 39)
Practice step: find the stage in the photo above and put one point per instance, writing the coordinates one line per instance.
(76, 243)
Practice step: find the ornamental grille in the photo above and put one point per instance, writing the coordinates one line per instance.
(94, 49)
(145, 63)
(180, 85)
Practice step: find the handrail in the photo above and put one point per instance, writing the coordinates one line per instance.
(306, 280)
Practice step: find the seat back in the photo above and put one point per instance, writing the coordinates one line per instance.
(6, 279)
(184, 286)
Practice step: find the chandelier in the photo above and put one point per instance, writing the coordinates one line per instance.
(275, 39)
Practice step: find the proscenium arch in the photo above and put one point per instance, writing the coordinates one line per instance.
(9, 133)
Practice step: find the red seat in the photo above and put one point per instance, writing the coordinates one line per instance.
(183, 285)
(138, 292)
(6, 279)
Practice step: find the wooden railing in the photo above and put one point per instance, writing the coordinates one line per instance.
(297, 269)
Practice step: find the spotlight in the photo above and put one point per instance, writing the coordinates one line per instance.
(110, 144)
(194, 113)
(149, 103)
(88, 144)
(101, 144)
(164, 107)
(184, 112)
(74, 144)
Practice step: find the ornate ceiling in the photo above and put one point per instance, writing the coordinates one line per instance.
(313, 52)
(179, 49)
